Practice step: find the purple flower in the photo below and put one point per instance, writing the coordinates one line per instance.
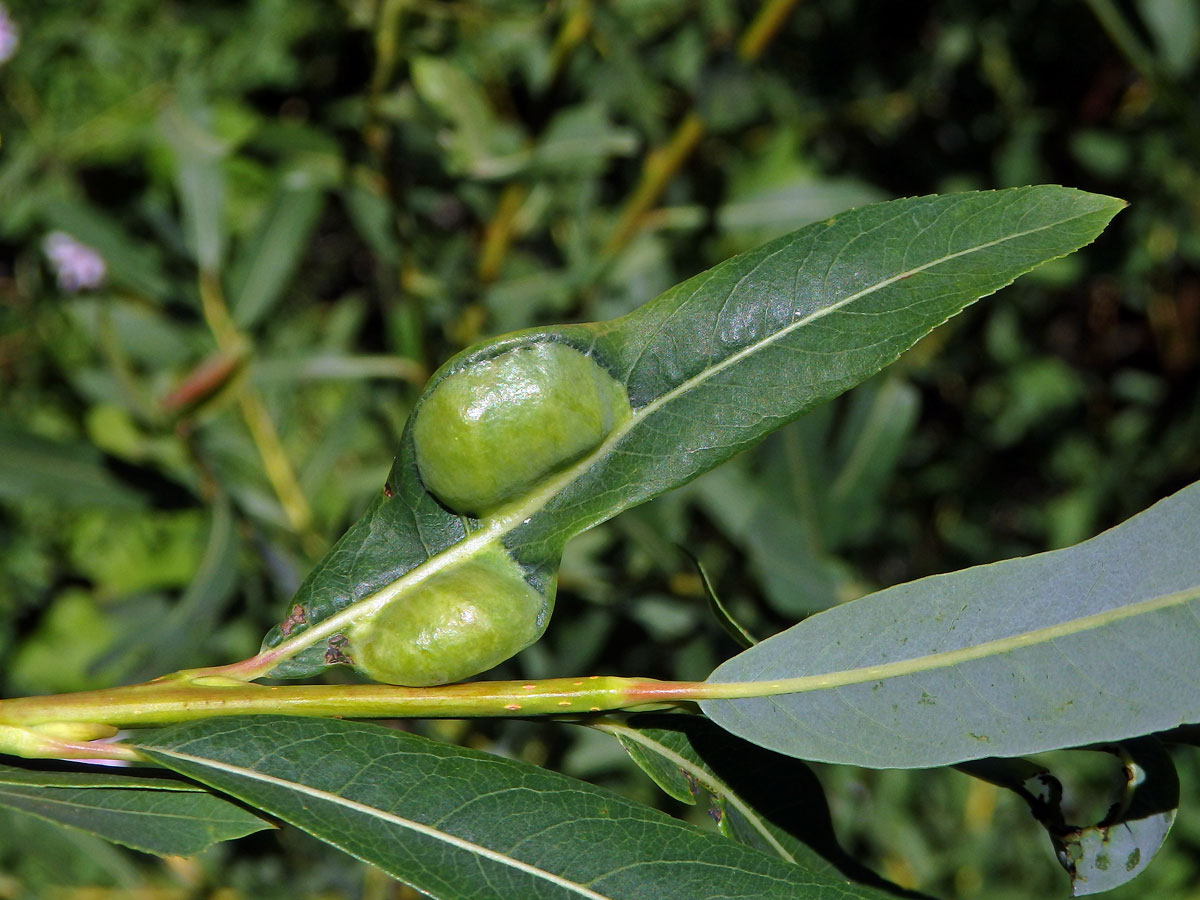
(10, 36)
(77, 265)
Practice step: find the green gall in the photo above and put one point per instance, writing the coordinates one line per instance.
(455, 624)
(491, 432)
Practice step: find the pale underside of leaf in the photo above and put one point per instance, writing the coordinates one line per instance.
(1064, 648)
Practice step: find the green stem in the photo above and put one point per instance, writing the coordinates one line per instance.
(662, 164)
(181, 698)
(1126, 40)
(575, 27)
(276, 465)
(1142, 58)
(762, 30)
(57, 726)
(201, 693)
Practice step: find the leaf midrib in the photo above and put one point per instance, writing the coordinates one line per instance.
(375, 812)
(48, 798)
(508, 518)
(702, 776)
(684, 386)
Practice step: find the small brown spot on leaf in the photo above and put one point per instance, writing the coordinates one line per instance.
(295, 617)
(335, 653)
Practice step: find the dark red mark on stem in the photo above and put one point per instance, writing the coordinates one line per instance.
(387, 490)
(203, 381)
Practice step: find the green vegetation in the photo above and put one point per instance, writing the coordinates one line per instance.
(296, 211)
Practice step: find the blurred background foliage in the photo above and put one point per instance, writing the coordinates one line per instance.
(235, 238)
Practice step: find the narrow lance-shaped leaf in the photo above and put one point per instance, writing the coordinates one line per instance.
(1071, 647)
(732, 627)
(759, 798)
(710, 368)
(449, 820)
(95, 776)
(199, 178)
(173, 822)
(720, 361)
(262, 270)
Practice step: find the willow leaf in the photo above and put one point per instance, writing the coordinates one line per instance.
(1093, 643)
(177, 822)
(96, 776)
(711, 367)
(759, 798)
(457, 823)
(1119, 847)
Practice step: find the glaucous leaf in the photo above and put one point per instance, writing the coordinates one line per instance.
(1116, 849)
(1065, 648)
(1103, 856)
